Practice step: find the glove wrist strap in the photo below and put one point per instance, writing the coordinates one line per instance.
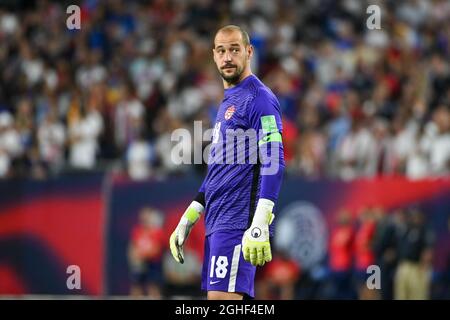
(193, 212)
(263, 211)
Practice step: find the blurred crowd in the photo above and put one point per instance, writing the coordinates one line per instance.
(401, 244)
(153, 272)
(356, 102)
(371, 254)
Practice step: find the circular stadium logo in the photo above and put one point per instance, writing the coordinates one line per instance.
(301, 232)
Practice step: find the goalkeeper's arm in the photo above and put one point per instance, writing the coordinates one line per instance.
(184, 227)
(255, 242)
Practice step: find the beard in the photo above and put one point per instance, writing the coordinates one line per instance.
(234, 77)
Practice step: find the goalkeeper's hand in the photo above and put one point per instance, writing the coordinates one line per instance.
(255, 242)
(182, 231)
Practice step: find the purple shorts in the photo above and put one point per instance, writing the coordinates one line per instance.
(224, 267)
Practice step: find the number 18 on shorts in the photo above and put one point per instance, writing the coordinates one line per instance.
(224, 267)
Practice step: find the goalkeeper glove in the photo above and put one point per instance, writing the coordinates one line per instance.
(255, 242)
(183, 229)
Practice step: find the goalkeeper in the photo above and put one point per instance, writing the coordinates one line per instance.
(237, 198)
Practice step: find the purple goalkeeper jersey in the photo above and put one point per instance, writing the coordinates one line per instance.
(236, 180)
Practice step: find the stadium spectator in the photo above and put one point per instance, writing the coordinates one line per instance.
(139, 157)
(129, 117)
(10, 146)
(440, 143)
(341, 256)
(364, 253)
(83, 138)
(278, 279)
(51, 138)
(356, 152)
(145, 253)
(182, 280)
(389, 231)
(413, 276)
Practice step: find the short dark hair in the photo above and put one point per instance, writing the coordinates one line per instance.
(230, 28)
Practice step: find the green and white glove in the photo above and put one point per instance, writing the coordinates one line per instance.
(255, 242)
(182, 231)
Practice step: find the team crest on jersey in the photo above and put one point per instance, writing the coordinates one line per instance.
(229, 112)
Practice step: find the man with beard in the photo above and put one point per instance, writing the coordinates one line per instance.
(239, 193)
